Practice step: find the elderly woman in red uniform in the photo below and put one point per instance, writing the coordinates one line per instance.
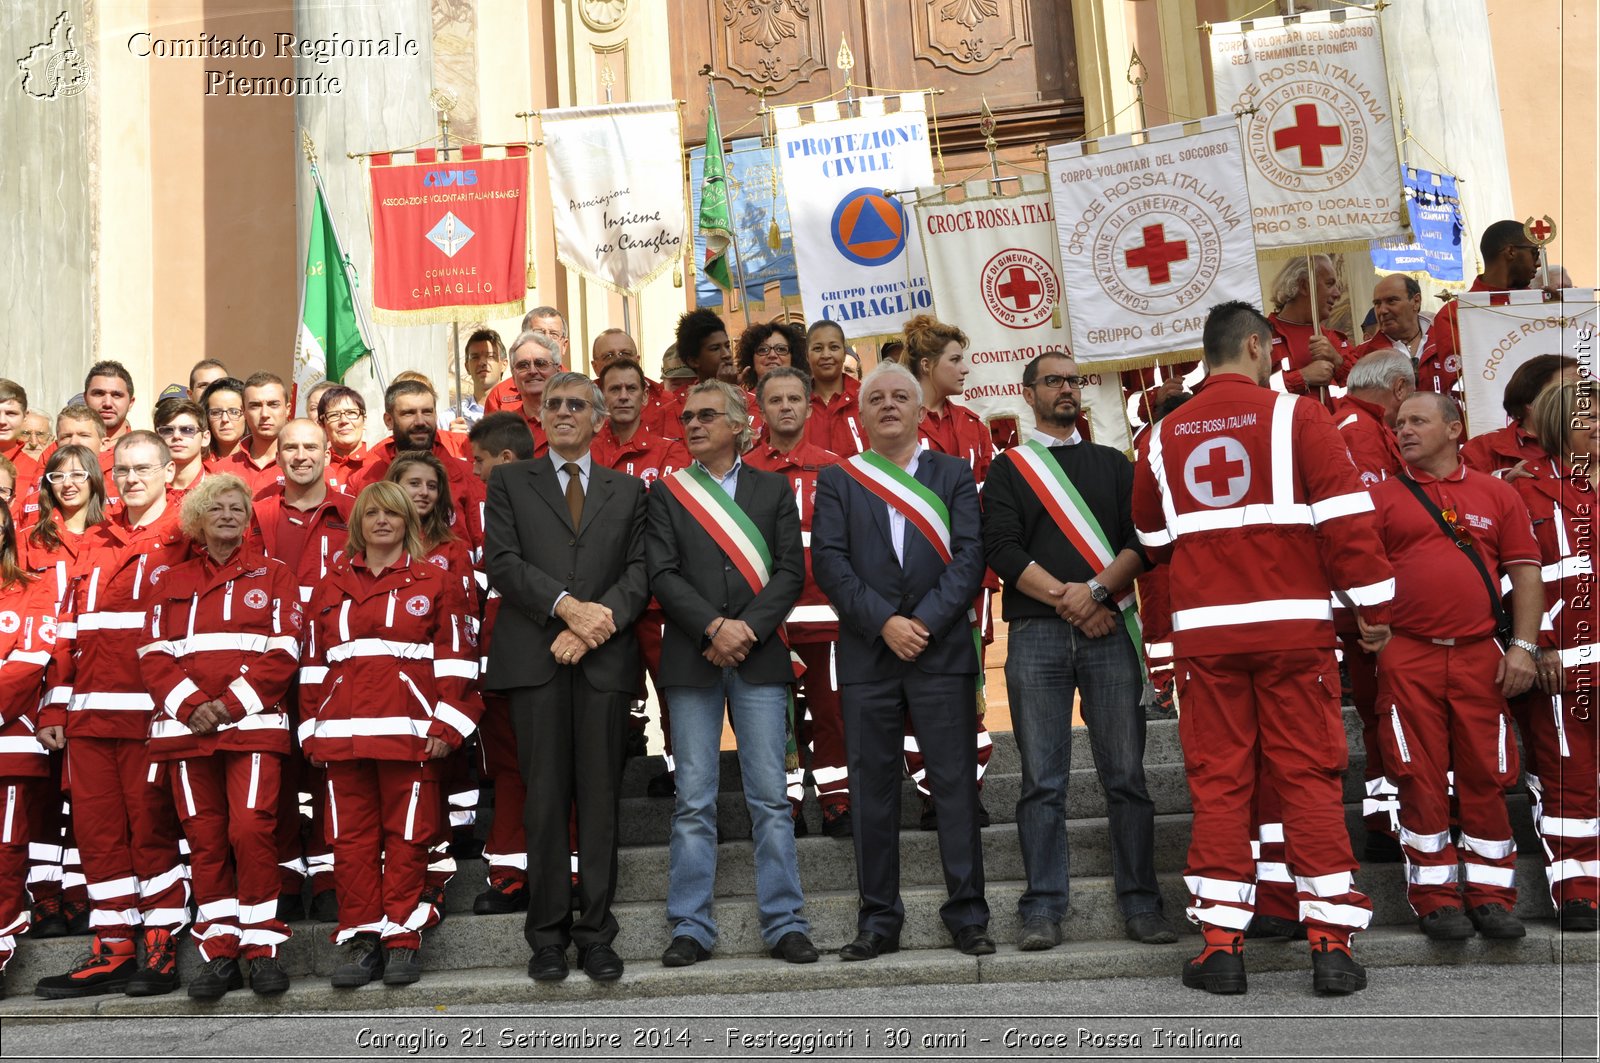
(387, 689)
(27, 637)
(224, 647)
(1563, 503)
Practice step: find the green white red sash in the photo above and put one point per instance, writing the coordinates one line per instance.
(1075, 520)
(922, 509)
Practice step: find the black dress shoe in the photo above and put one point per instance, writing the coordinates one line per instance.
(974, 940)
(663, 785)
(684, 951)
(548, 964)
(869, 946)
(795, 947)
(601, 963)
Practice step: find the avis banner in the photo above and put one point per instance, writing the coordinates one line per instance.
(449, 238)
(1498, 336)
(856, 263)
(1151, 234)
(993, 268)
(616, 190)
(1319, 131)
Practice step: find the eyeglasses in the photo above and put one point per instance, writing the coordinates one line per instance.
(35, 435)
(1056, 380)
(70, 476)
(170, 431)
(543, 365)
(778, 348)
(142, 472)
(549, 334)
(232, 413)
(342, 416)
(572, 402)
(705, 415)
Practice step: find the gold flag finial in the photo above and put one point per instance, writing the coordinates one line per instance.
(443, 100)
(846, 59)
(307, 146)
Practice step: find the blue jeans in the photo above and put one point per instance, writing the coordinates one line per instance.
(757, 711)
(1047, 660)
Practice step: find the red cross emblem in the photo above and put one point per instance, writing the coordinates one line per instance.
(1020, 288)
(1541, 230)
(1157, 254)
(1307, 135)
(1217, 473)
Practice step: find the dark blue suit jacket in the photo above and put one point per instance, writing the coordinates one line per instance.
(854, 563)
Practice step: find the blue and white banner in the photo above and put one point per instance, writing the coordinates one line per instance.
(755, 204)
(857, 265)
(1434, 204)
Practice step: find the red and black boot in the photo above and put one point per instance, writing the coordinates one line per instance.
(108, 968)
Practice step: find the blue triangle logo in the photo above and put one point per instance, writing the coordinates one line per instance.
(870, 226)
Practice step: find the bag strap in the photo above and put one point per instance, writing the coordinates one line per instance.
(1500, 618)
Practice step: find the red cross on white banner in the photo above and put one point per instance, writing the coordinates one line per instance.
(1157, 254)
(1307, 134)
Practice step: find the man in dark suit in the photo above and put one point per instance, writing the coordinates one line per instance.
(565, 549)
(727, 564)
(895, 543)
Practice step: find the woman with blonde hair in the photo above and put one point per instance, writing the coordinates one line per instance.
(224, 647)
(387, 689)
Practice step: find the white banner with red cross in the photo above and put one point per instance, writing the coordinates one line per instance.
(994, 270)
(1154, 228)
(1501, 330)
(1312, 93)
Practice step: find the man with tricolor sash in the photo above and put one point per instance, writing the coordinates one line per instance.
(896, 544)
(1058, 529)
(727, 564)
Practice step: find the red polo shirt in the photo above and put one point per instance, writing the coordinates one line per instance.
(835, 424)
(647, 455)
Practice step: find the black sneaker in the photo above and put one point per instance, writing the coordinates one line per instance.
(215, 978)
(402, 966)
(502, 898)
(363, 962)
(1578, 916)
(1496, 921)
(267, 976)
(48, 920)
(325, 906)
(1222, 972)
(158, 974)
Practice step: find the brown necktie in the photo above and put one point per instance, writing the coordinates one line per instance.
(574, 492)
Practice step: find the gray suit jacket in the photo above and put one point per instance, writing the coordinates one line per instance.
(533, 553)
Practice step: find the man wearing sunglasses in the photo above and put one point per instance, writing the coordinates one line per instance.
(1445, 676)
(181, 424)
(565, 550)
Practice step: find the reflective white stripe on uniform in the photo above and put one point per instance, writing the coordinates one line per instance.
(450, 668)
(1335, 885)
(166, 880)
(1271, 871)
(1425, 843)
(454, 719)
(1562, 870)
(241, 689)
(227, 908)
(39, 657)
(264, 721)
(1489, 875)
(1573, 656)
(1337, 914)
(1372, 593)
(111, 621)
(1273, 610)
(1256, 513)
(1225, 891)
(179, 695)
(1559, 827)
(314, 673)
(1281, 456)
(215, 641)
(1430, 874)
(387, 725)
(813, 614)
(21, 744)
(1489, 849)
(405, 651)
(1341, 506)
(127, 886)
(1270, 833)
(112, 702)
(1567, 566)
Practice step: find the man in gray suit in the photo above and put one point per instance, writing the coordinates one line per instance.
(564, 547)
(727, 564)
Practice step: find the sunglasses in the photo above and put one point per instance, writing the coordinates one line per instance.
(705, 415)
(572, 403)
(171, 431)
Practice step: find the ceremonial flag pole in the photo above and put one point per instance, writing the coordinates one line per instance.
(716, 213)
(331, 338)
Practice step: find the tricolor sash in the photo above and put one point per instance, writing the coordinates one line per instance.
(922, 509)
(1073, 518)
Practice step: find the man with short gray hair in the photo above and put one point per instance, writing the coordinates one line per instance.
(546, 321)
(1397, 304)
(535, 358)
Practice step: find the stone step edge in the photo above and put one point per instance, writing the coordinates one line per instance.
(465, 989)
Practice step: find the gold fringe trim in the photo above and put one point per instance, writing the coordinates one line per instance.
(1326, 247)
(1143, 361)
(445, 315)
(661, 267)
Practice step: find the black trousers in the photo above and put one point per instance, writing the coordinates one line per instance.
(941, 708)
(570, 743)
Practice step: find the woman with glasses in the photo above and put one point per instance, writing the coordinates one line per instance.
(27, 638)
(387, 689)
(181, 424)
(223, 402)
(8, 483)
(224, 631)
(342, 412)
(766, 345)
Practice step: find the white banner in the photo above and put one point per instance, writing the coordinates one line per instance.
(616, 190)
(1152, 234)
(856, 265)
(994, 269)
(1496, 339)
(1320, 132)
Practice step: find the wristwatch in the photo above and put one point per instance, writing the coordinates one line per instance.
(1530, 648)
(1098, 591)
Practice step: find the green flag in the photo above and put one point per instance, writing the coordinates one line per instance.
(716, 223)
(330, 336)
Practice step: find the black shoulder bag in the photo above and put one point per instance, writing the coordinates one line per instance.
(1502, 622)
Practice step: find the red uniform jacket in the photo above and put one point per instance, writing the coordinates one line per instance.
(648, 455)
(60, 566)
(228, 632)
(466, 490)
(959, 432)
(812, 620)
(1368, 438)
(343, 469)
(835, 424)
(1563, 508)
(1245, 490)
(503, 396)
(1502, 449)
(27, 641)
(1441, 352)
(388, 661)
(256, 477)
(97, 689)
(1291, 350)
(309, 541)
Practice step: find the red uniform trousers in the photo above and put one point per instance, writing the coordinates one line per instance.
(128, 835)
(18, 795)
(1275, 716)
(914, 763)
(228, 805)
(1380, 805)
(302, 838)
(822, 730)
(455, 789)
(1275, 891)
(1566, 799)
(382, 815)
(1442, 709)
(505, 850)
(54, 868)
